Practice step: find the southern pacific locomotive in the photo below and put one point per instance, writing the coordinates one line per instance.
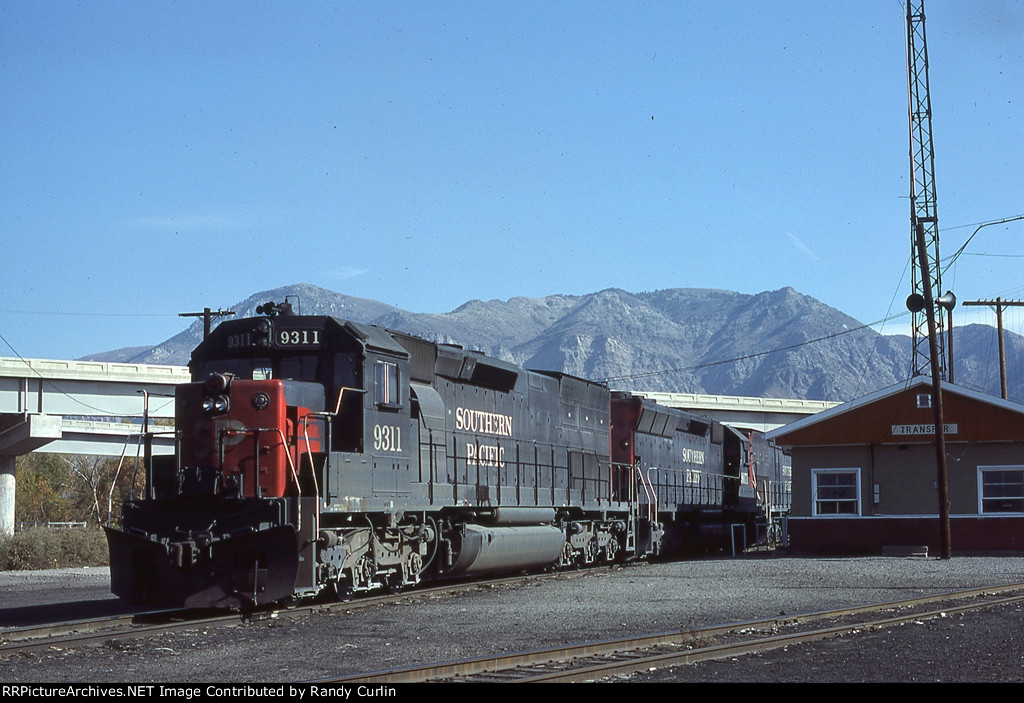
(314, 454)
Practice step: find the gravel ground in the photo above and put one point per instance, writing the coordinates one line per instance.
(593, 605)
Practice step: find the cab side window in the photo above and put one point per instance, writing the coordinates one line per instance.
(386, 382)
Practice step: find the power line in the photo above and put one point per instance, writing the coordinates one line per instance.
(975, 224)
(696, 367)
(88, 314)
(951, 260)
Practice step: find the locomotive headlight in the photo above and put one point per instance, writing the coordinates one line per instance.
(215, 404)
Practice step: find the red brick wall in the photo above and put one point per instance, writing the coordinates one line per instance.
(968, 535)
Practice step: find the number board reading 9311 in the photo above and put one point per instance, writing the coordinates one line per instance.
(297, 338)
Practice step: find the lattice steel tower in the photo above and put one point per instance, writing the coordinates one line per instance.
(923, 211)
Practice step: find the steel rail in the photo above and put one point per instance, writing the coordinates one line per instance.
(503, 666)
(647, 663)
(81, 633)
(62, 629)
(90, 631)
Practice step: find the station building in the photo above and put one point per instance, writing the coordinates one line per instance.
(865, 479)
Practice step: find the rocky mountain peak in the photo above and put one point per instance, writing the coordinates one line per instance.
(778, 343)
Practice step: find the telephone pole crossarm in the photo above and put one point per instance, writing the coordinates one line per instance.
(208, 316)
(999, 304)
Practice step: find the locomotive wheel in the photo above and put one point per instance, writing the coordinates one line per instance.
(611, 550)
(412, 568)
(568, 556)
(364, 572)
(341, 589)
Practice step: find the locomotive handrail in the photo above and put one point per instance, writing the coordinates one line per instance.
(717, 481)
(702, 472)
(629, 498)
(652, 505)
(312, 468)
(309, 449)
(295, 475)
(444, 437)
(147, 458)
(341, 395)
(256, 431)
(117, 472)
(652, 496)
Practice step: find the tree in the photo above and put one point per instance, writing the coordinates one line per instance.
(42, 489)
(98, 486)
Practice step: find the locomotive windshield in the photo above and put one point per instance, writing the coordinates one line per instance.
(258, 369)
(304, 367)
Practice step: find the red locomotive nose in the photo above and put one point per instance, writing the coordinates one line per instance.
(247, 431)
(253, 441)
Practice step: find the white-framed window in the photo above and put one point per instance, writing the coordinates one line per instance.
(1000, 489)
(835, 491)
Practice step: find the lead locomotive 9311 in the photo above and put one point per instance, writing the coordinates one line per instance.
(318, 455)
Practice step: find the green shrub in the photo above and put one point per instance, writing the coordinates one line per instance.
(45, 548)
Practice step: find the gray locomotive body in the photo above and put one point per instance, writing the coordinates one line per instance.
(316, 454)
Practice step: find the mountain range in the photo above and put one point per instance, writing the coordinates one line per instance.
(780, 343)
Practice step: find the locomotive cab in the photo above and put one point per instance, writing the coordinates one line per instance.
(272, 401)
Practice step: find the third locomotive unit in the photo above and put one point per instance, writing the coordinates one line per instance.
(314, 454)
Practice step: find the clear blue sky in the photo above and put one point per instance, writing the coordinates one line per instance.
(160, 157)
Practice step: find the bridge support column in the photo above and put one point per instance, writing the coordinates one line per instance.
(6, 495)
(20, 434)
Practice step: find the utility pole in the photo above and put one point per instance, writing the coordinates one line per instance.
(924, 246)
(949, 339)
(208, 317)
(999, 304)
(945, 541)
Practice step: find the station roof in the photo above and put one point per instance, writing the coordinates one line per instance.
(902, 414)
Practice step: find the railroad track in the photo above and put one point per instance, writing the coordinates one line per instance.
(597, 660)
(81, 633)
(93, 631)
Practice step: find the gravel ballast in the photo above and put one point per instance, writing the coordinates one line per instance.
(594, 605)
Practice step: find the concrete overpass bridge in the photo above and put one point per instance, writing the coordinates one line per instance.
(762, 414)
(77, 407)
(87, 407)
